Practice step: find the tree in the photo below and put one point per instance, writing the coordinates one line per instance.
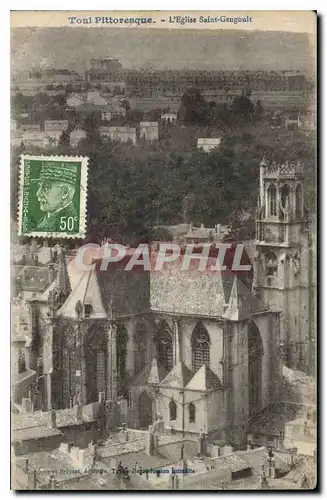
(242, 108)
(64, 139)
(91, 126)
(193, 106)
(258, 111)
(160, 234)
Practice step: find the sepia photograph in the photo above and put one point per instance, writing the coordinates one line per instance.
(163, 250)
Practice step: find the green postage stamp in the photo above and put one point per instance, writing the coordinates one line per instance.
(52, 196)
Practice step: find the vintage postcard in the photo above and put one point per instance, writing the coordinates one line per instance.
(163, 250)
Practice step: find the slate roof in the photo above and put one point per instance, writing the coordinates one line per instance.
(152, 373)
(111, 292)
(64, 418)
(203, 380)
(27, 375)
(242, 303)
(167, 455)
(233, 461)
(88, 292)
(178, 377)
(38, 432)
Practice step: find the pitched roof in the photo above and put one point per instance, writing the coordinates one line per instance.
(178, 377)
(204, 379)
(152, 373)
(242, 303)
(87, 291)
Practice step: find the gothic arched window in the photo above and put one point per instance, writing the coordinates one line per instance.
(95, 349)
(172, 410)
(164, 344)
(191, 413)
(121, 350)
(272, 200)
(271, 264)
(140, 346)
(298, 201)
(68, 379)
(200, 347)
(286, 196)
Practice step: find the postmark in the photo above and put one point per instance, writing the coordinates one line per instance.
(53, 196)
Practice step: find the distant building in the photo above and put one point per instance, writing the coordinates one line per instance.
(149, 131)
(293, 120)
(207, 144)
(76, 136)
(95, 98)
(55, 125)
(107, 113)
(30, 127)
(75, 100)
(106, 64)
(123, 134)
(205, 234)
(114, 108)
(16, 138)
(38, 138)
(169, 117)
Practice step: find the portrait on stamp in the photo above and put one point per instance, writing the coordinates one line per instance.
(52, 196)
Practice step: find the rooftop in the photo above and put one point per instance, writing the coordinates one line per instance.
(64, 418)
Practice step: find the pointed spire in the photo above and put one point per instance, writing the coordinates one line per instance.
(62, 279)
(263, 162)
(203, 380)
(178, 377)
(242, 303)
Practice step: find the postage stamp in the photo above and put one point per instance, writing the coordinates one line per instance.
(52, 197)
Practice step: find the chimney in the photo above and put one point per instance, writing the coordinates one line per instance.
(101, 399)
(149, 449)
(201, 442)
(32, 480)
(202, 225)
(27, 406)
(272, 468)
(191, 227)
(33, 246)
(78, 412)
(218, 229)
(52, 419)
(52, 483)
(92, 448)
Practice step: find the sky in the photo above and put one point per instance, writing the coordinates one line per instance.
(71, 48)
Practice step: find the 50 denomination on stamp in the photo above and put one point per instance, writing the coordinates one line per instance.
(52, 198)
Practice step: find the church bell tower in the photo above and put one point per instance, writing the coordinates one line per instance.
(283, 263)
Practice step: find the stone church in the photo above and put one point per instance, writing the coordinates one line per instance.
(203, 351)
(284, 266)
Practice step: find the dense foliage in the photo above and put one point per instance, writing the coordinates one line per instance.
(132, 188)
